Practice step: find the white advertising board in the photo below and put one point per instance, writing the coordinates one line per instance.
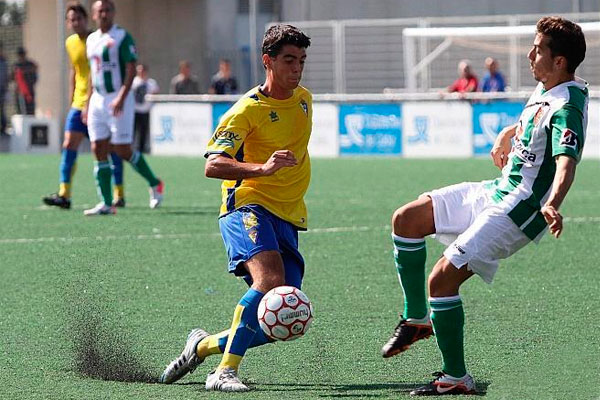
(437, 129)
(180, 128)
(591, 148)
(324, 139)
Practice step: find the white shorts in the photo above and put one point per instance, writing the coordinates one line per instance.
(102, 124)
(476, 231)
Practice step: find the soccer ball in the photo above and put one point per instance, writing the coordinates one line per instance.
(285, 313)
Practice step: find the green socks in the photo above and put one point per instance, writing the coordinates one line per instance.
(138, 162)
(103, 175)
(410, 256)
(448, 319)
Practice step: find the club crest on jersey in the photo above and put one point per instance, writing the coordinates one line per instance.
(274, 116)
(538, 115)
(568, 138)
(304, 107)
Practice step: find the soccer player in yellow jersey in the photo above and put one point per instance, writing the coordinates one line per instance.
(260, 151)
(75, 128)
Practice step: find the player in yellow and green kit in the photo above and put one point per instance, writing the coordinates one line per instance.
(260, 151)
(75, 128)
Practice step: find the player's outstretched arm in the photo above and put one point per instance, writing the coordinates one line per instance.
(502, 146)
(223, 167)
(563, 179)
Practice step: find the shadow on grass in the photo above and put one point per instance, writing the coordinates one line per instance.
(346, 390)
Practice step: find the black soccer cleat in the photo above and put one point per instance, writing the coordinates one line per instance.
(58, 201)
(445, 384)
(120, 202)
(405, 334)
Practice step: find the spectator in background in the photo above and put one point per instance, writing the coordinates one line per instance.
(185, 82)
(222, 82)
(467, 81)
(141, 86)
(3, 89)
(25, 76)
(493, 80)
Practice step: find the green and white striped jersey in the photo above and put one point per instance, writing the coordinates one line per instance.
(108, 53)
(552, 123)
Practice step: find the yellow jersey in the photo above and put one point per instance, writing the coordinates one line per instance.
(77, 55)
(250, 131)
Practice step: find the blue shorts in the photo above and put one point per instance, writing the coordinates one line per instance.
(252, 229)
(73, 122)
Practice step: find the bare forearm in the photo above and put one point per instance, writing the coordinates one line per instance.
(129, 75)
(222, 167)
(230, 169)
(563, 179)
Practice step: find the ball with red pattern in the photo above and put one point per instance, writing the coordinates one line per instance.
(285, 313)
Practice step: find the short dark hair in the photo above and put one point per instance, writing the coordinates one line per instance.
(278, 36)
(566, 39)
(76, 7)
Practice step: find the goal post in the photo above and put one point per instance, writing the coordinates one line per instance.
(466, 37)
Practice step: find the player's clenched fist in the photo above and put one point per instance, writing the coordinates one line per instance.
(278, 160)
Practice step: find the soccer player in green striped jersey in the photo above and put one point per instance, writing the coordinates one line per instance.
(483, 222)
(110, 109)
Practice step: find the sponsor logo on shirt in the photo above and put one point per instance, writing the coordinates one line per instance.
(523, 153)
(226, 138)
(568, 138)
(274, 116)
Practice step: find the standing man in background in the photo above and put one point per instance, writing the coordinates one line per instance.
(142, 85)
(223, 82)
(467, 81)
(25, 76)
(75, 128)
(110, 109)
(493, 80)
(184, 82)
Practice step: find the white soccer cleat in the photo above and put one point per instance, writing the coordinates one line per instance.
(156, 194)
(225, 380)
(100, 209)
(187, 361)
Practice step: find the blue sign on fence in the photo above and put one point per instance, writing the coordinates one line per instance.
(370, 129)
(218, 109)
(488, 121)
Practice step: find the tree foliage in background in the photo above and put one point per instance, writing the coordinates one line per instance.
(12, 13)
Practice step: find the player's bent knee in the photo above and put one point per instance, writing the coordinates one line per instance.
(414, 219)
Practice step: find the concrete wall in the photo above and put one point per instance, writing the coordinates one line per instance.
(41, 39)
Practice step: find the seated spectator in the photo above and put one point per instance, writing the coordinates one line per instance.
(222, 82)
(467, 81)
(493, 80)
(185, 82)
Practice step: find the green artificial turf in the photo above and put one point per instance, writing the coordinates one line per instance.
(88, 303)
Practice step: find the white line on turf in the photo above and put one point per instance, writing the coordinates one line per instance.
(171, 236)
